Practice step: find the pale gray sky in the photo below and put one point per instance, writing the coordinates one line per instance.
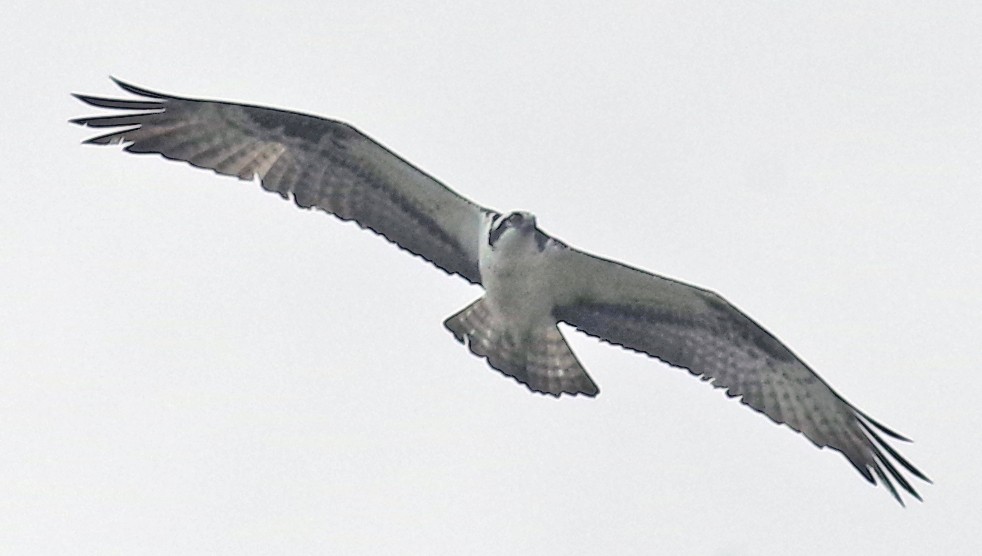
(189, 365)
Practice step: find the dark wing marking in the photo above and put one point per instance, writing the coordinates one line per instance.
(322, 163)
(700, 331)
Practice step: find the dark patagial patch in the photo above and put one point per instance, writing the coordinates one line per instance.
(300, 126)
(428, 226)
(469, 269)
(754, 332)
(593, 316)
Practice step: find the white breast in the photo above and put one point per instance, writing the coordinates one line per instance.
(516, 277)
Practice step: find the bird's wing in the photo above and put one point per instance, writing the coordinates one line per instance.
(700, 331)
(322, 163)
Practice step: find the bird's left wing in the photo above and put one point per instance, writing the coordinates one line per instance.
(698, 330)
(322, 163)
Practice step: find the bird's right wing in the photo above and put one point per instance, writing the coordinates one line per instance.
(322, 163)
(698, 330)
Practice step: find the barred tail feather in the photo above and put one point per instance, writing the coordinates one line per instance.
(538, 357)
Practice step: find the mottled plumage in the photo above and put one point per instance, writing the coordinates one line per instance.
(532, 281)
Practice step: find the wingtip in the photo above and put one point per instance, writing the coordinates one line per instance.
(881, 427)
(129, 87)
(119, 82)
(87, 99)
(886, 482)
(895, 454)
(917, 495)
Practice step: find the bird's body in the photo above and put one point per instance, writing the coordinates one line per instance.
(532, 281)
(515, 272)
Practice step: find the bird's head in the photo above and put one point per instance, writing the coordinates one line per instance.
(520, 223)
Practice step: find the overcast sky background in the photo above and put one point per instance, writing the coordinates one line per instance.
(190, 365)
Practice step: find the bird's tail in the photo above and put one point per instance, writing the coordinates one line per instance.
(538, 357)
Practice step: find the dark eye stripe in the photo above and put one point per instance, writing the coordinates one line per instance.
(497, 230)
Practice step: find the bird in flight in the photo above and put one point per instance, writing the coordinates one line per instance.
(532, 281)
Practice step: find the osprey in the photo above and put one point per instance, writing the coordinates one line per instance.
(532, 281)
